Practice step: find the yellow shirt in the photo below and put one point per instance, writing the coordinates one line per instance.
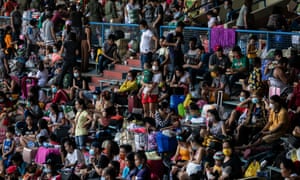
(277, 118)
(128, 86)
(80, 119)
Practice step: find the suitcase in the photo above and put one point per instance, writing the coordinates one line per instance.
(134, 103)
(29, 155)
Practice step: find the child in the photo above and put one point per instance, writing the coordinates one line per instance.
(216, 171)
(8, 146)
(147, 78)
(255, 78)
(163, 55)
(8, 49)
(252, 50)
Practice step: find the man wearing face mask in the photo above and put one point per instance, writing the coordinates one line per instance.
(256, 117)
(277, 124)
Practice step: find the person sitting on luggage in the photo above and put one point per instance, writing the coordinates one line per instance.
(60, 96)
(109, 54)
(8, 146)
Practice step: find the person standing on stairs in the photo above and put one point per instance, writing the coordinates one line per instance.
(85, 46)
(147, 48)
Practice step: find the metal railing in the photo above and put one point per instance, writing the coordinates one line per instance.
(274, 39)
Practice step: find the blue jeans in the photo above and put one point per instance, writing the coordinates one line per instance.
(80, 141)
(102, 63)
(145, 58)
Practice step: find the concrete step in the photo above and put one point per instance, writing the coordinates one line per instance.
(121, 68)
(111, 74)
(134, 62)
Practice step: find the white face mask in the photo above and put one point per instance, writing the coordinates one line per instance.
(155, 68)
(272, 106)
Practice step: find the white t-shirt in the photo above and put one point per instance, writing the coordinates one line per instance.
(75, 156)
(157, 78)
(212, 21)
(146, 41)
(54, 119)
(163, 51)
(42, 77)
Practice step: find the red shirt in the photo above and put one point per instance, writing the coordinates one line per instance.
(61, 97)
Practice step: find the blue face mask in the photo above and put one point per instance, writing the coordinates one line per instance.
(102, 178)
(54, 90)
(242, 99)
(92, 152)
(54, 50)
(95, 97)
(254, 100)
(143, 30)
(140, 166)
(46, 170)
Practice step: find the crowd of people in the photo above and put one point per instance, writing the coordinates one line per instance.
(52, 126)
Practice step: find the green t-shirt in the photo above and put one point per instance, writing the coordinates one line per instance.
(147, 76)
(240, 63)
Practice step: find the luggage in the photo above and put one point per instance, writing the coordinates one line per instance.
(175, 100)
(29, 155)
(134, 103)
(165, 143)
(26, 84)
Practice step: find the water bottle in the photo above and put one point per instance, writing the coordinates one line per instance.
(92, 54)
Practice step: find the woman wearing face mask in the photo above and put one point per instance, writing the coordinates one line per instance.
(79, 83)
(120, 96)
(143, 171)
(231, 168)
(60, 96)
(216, 126)
(180, 81)
(255, 120)
(130, 169)
(152, 90)
(163, 116)
(239, 112)
(194, 166)
(277, 125)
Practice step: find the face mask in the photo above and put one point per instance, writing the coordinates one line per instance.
(102, 178)
(129, 78)
(92, 152)
(28, 104)
(154, 68)
(76, 75)
(254, 100)
(1, 100)
(271, 106)
(143, 30)
(10, 98)
(95, 97)
(54, 90)
(227, 151)
(140, 166)
(242, 99)
(46, 170)
(194, 148)
(54, 50)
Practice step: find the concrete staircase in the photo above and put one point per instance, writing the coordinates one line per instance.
(114, 75)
